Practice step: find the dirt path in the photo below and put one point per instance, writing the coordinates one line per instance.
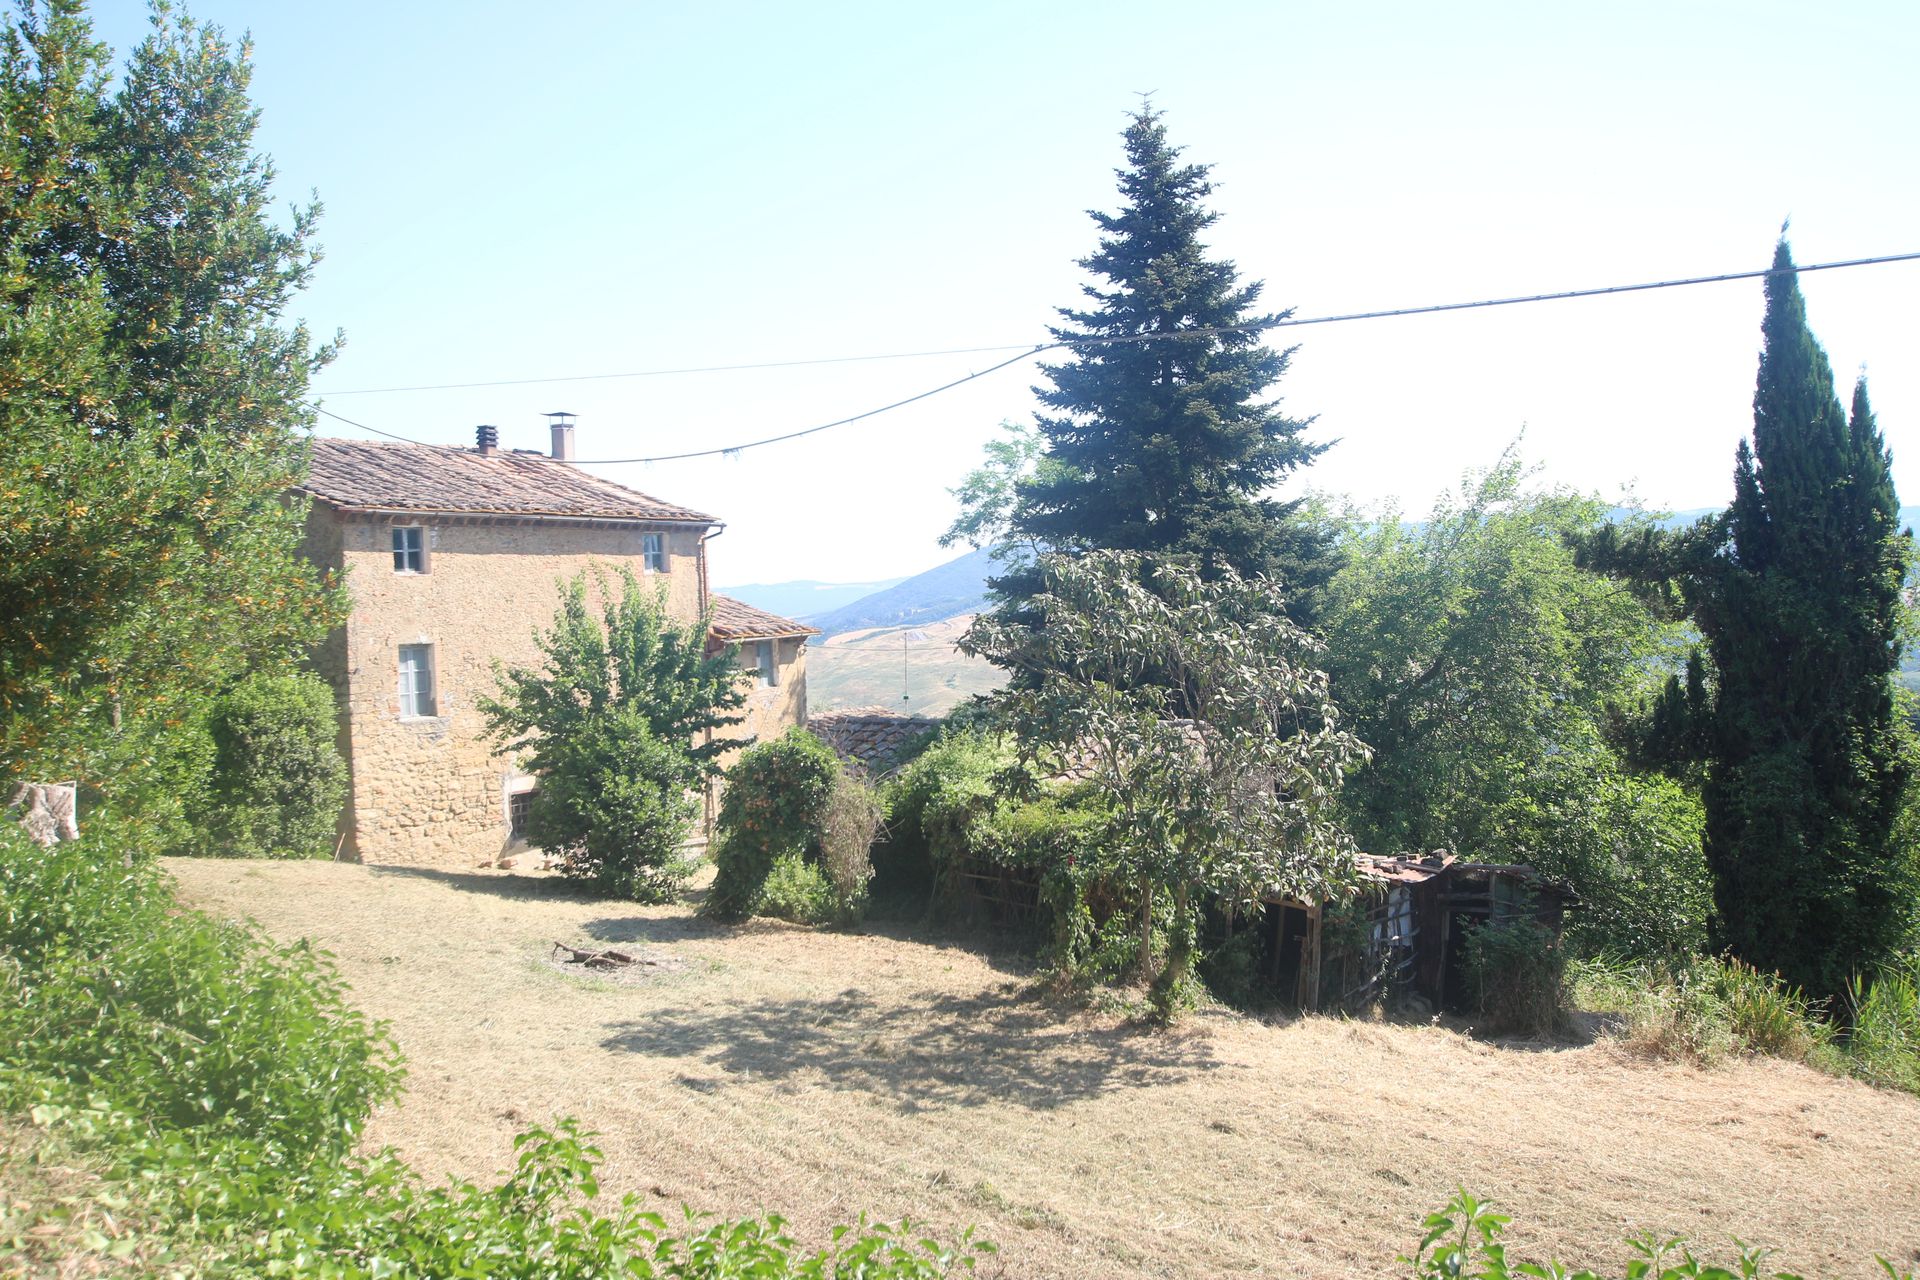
(819, 1075)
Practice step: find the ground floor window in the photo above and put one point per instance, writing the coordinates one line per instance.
(416, 680)
(517, 806)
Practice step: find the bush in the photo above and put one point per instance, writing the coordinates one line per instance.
(1704, 1010)
(776, 793)
(1883, 1043)
(277, 781)
(109, 987)
(616, 805)
(797, 890)
(848, 823)
(1517, 972)
(929, 804)
(1464, 1239)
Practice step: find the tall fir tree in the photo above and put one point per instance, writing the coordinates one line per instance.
(1170, 445)
(1795, 590)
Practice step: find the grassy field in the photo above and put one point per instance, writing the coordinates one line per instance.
(820, 1074)
(873, 668)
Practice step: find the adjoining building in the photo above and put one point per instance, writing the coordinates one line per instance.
(453, 558)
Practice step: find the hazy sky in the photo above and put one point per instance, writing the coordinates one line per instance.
(536, 191)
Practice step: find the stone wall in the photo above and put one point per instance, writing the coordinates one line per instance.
(432, 790)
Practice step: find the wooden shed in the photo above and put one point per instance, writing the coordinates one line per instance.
(1405, 935)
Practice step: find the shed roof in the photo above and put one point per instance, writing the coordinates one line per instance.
(869, 739)
(416, 477)
(738, 620)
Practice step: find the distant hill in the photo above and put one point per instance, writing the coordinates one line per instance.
(946, 591)
(806, 597)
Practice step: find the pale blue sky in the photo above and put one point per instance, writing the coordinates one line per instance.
(519, 191)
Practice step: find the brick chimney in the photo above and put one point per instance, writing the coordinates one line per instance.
(562, 423)
(488, 440)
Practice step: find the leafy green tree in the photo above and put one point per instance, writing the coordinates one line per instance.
(1221, 773)
(1795, 590)
(618, 723)
(277, 781)
(1487, 671)
(1168, 445)
(151, 390)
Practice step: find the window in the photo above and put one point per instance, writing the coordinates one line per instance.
(653, 549)
(409, 549)
(517, 805)
(416, 680)
(766, 655)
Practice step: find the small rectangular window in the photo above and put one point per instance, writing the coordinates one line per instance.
(766, 655)
(409, 549)
(653, 549)
(416, 680)
(517, 806)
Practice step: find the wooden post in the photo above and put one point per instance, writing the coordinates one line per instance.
(1310, 960)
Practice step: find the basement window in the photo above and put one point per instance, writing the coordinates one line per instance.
(416, 680)
(409, 549)
(653, 550)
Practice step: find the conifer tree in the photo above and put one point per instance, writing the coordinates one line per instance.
(1796, 592)
(1171, 445)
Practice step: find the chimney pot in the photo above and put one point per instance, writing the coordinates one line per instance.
(488, 438)
(562, 422)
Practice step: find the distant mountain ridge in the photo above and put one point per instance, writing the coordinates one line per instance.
(805, 597)
(945, 591)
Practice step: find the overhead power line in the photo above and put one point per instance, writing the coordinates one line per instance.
(1285, 321)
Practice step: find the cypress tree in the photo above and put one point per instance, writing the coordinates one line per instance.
(1169, 445)
(1805, 767)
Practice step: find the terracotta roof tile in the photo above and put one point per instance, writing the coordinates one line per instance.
(738, 620)
(413, 477)
(869, 739)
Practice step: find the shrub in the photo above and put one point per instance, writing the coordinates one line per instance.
(1464, 1239)
(112, 989)
(929, 804)
(1883, 1043)
(797, 890)
(615, 803)
(776, 792)
(1704, 1010)
(277, 781)
(1517, 969)
(848, 823)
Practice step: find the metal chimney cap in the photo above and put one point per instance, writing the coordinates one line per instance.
(559, 413)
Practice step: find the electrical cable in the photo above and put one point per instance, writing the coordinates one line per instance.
(1075, 341)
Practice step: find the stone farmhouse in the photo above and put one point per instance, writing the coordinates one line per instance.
(452, 559)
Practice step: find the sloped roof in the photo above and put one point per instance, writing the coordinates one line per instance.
(417, 477)
(869, 739)
(738, 620)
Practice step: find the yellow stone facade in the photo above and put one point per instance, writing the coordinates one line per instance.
(430, 789)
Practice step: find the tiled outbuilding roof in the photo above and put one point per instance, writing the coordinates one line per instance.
(869, 739)
(738, 620)
(418, 477)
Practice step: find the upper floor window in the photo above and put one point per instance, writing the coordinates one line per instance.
(409, 549)
(416, 680)
(653, 549)
(766, 657)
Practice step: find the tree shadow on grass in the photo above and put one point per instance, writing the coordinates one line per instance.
(927, 1051)
(498, 884)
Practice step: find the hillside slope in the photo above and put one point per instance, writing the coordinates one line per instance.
(945, 591)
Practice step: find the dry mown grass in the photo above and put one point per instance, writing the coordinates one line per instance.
(822, 1074)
